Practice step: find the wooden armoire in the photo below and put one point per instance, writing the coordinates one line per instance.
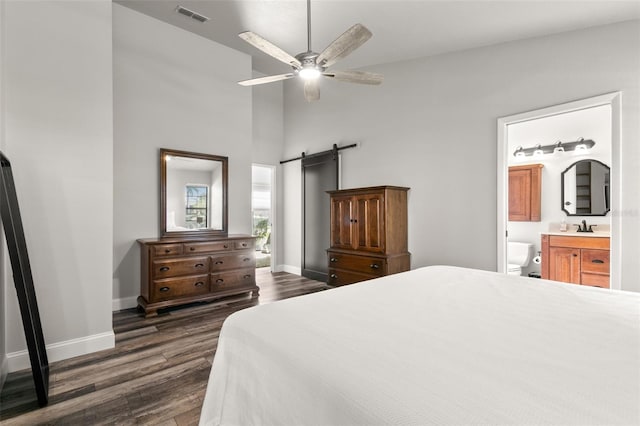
(369, 236)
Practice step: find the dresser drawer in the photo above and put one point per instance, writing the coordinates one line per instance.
(342, 277)
(361, 264)
(208, 246)
(595, 280)
(233, 279)
(243, 244)
(171, 288)
(232, 261)
(166, 250)
(175, 267)
(595, 261)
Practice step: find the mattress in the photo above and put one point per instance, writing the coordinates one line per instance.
(437, 345)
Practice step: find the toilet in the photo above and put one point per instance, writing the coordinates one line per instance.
(518, 255)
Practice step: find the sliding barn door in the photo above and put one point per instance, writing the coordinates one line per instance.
(319, 174)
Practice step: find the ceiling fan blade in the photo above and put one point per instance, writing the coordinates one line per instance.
(268, 79)
(311, 90)
(269, 48)
(361, 77)
(349, 41)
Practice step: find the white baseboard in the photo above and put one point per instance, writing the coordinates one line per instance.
(291, 269)
(124, 303)
(63, 350)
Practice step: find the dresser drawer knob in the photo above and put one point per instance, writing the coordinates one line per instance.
(333, 276)
(164, 269)
(374, 266)
(192, 248)
(246, 259)
(597, 261)
(199, 284)
(226, 246)
(244, 244)
(219, 262)
(247, 276)
(167, 250)
(219, 280)
(199, 265)
(333, 259)
(164, 289)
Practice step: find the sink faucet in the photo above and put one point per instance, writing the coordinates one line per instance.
(584, 227)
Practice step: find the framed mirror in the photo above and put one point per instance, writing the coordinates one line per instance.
(585, 189)
(193, 194)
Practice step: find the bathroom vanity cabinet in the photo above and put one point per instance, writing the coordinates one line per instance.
(525, 190)
(176, 271)
(368, 234)
(576, 259)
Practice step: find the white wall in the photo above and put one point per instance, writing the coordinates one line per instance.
(58, 136)
(592, 123)
(172, 89)
(432, 126)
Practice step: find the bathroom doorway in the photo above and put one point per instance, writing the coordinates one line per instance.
(262, 212)
(592, 119)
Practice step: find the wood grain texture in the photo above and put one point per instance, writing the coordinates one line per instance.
(156, 374)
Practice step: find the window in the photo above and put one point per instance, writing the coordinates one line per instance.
(196, 206)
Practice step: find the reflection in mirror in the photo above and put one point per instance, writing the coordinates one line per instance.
(585, 189)
(193, 191)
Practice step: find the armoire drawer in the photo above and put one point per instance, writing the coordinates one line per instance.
(356, 263)
(183, 266)
(232, 261)
(172, 288)
(342, 277)
(232, 279)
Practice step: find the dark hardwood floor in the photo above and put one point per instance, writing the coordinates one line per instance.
(156, 374)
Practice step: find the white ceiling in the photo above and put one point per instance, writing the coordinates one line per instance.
(401, 29)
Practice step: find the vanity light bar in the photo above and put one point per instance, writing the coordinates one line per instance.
(580, 144)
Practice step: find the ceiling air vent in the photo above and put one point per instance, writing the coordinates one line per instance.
(191, 14)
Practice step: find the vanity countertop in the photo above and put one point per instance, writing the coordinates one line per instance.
(573, 233)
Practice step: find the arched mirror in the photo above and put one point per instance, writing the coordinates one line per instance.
(585, 189)
(193, 194)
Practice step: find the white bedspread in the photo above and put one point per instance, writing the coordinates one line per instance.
(437, 345)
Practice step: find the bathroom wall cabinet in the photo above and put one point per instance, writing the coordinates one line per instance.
(576, 259)
(369, 235)
(525, 190)
(176, 271)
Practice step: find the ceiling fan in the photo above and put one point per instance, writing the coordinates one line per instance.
(309, 65)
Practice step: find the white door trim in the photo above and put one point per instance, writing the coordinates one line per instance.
(615, 100)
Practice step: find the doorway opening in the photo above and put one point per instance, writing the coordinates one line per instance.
(515, 126)
(262, 212)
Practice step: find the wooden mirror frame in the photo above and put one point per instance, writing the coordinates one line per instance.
(201, 233)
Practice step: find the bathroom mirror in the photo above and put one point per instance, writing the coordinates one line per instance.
(585, 189)
(193, 194)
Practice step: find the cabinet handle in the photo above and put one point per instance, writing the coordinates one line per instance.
(199, 284)
(199, 265)
(374, 266)
(246, 259)
(192, 248)
(219, 280)
(167, 250)
(334, 276)
(226, 246)
(244, 244)
(164, 269)
(164, 289)
(219, 262)
(597, 261)
(333, 259)
(574, 255)
(247, 276)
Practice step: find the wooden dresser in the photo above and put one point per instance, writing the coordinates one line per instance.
(368, 234)
(576, 259)
(176, 271)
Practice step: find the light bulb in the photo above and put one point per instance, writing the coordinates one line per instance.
(309, 73)
(538, 152)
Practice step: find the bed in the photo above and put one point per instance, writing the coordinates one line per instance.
(436, 345)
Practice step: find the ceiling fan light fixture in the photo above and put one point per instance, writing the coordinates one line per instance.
(309, 73)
